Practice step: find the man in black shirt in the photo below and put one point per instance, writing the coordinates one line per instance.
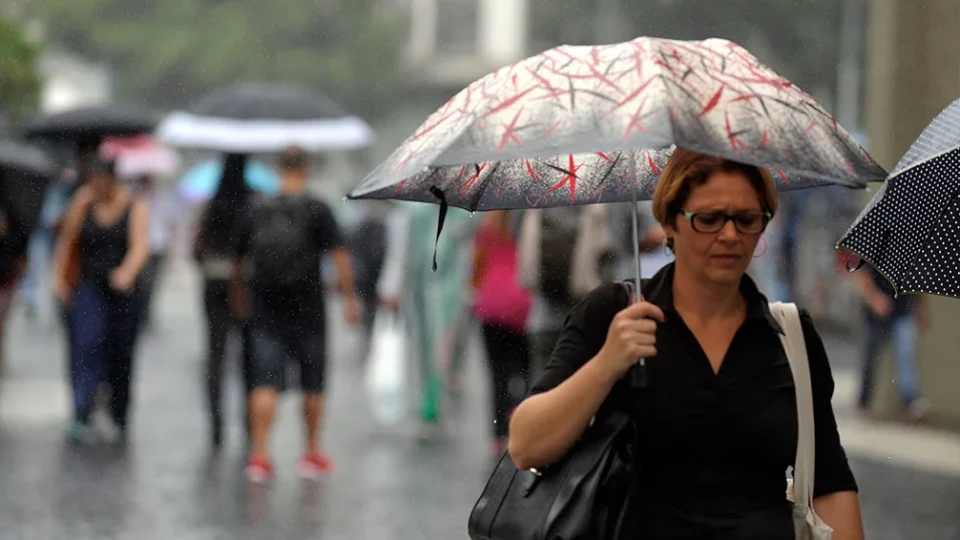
(283, 239)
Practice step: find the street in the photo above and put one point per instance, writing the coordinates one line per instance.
(388, 484)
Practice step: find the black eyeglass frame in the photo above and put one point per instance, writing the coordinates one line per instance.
(691, 217)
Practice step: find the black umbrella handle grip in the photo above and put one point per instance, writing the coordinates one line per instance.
(638, 375)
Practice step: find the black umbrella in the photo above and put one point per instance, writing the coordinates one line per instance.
(909, 232)
(261, 117)
(89, 125)
(261, 101)
(26, 158)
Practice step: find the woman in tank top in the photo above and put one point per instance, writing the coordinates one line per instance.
(108, 227)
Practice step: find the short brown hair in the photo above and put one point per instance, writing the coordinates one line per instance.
(687, 169)
(293, 158)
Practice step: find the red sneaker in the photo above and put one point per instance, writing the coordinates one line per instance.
(315, 464)
(259, 470)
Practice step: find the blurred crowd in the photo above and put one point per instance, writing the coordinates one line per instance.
(103, 239)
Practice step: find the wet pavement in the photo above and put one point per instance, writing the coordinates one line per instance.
(388, 484)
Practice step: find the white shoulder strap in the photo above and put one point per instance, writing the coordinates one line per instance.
(528, 250)
(788, 316)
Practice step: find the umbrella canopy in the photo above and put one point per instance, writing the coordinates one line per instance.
(92, 124)
(909, 230)
(139, 156)
(578, 125)
(26, 158)
(257, 117)
(200, 182)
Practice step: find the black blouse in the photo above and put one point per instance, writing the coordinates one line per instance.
(716, 447)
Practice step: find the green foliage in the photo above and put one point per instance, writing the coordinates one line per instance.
(170, 52)
(19, 82)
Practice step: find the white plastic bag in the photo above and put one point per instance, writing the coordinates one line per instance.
(386, 376)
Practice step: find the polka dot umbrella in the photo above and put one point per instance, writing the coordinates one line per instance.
(908, 232)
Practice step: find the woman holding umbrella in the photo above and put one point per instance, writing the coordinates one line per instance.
(108, 227)
(719, 420)
(724, 430)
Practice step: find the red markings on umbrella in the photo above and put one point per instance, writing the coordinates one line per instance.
(508, 103)
(635, 122)
(712, 103)
(653, 166)
(465, 186)
(531, 172)
(632, 95)
(570, 178)
(510, 133)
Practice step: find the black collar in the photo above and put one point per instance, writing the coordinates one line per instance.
(659, 290)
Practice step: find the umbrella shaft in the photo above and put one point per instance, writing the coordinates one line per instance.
(639, 373)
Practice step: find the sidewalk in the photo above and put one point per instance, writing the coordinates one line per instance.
(925, 448)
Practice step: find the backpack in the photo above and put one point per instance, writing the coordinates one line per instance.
(368, 245)
(558, 239)
(280, 243)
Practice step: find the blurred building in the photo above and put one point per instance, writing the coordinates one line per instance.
(71, 81)
(913, 72)
(451, 44)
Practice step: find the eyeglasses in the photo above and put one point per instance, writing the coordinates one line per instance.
(714, 222)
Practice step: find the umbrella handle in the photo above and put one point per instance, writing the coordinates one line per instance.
(638, 373)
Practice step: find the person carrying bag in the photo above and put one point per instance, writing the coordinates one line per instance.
(726, 416)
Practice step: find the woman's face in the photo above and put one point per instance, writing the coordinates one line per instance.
(720, 257)
(103, 184)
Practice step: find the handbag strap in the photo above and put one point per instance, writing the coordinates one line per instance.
(795, 347)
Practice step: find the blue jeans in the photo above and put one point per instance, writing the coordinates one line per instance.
(903, 331)
(103, 334)
(39, 253)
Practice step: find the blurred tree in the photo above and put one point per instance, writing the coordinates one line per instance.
(798, 38)
(19, 81)
(170, 52)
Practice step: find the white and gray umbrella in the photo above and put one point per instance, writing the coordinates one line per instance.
(261, 117)
(910, 229)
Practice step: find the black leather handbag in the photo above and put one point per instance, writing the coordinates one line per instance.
(585, 496)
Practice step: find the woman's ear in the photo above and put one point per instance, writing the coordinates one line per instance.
(669, 231)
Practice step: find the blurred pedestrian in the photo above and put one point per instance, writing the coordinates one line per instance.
(108, 226)
(213, 249)
(13, 260)
(368, 248)
(35, 283)
(895, 320)
(564, 253)
(284, 238)
(502, 307)
(163, 226)
(434, 303)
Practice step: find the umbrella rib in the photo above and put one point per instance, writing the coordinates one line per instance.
(484, 185)
(601, 184)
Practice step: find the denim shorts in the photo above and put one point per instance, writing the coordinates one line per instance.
(274, 347)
